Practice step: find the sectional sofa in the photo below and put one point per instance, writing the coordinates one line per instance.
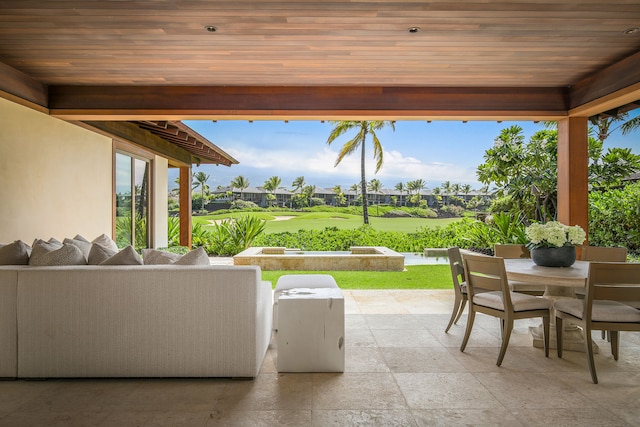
(133, 321)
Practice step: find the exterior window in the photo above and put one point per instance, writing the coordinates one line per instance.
(132, 201)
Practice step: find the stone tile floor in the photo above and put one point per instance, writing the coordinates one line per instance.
(401, 370)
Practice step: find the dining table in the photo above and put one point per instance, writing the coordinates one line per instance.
(559, 283)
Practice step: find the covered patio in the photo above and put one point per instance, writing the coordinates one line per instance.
(401, 369)
(78, 76)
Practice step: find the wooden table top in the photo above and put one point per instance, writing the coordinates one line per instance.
(525, 270)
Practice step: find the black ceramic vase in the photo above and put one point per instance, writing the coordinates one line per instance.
(564, 256)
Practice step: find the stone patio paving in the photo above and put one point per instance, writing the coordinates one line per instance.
(401, 370)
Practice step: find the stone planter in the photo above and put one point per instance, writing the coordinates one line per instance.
(564, 256)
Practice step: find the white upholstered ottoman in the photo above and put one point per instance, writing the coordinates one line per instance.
(311, 333)
(292, 281)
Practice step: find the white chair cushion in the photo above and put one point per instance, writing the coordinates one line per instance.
(602, 311)
(521, 302)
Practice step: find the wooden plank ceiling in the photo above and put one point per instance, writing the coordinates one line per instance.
(415, 59)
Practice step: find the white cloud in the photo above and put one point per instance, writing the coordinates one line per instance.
(320, 163)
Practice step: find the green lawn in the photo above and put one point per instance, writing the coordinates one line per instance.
(322, 220)
(415, 277)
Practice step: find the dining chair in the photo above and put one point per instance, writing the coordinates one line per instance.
(459, 285)
(512, 251)
(601, 254)
(609, 287)
(488, 292)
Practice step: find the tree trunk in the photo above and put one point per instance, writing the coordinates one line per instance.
(363, 183)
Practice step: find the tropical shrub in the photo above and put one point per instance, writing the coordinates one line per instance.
(230, 237)
(423, 212)
(173, 235)
(316, 201)
(508, 228)
(502, 204)
(244, 204)
(456, 201)
(124, 229)
(453, 210)
(396, 213)
(614, 217)
(199, 236)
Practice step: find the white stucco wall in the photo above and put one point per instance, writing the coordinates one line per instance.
(55, 177)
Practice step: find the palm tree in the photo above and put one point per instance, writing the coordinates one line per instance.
(417, 186)
(466, 189)
(446, 189)
(359, 141)
(375, 186)
(271, 185)
(339, 199)
(200, 180)
(436, 196)
(455, 189)
(308, 192)
(298, 183)
(354, 188)
(241, 183)
(401, 188)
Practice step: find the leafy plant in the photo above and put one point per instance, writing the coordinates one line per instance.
(124, 229)
(508, 228)
(173, 234)
(230, 237)
(614, 217)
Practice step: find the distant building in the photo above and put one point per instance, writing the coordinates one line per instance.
(258, 195)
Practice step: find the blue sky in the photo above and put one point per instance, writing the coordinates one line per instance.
(435, 152)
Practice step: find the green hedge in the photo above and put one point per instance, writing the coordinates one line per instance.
(333, 239)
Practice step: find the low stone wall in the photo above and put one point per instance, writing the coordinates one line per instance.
(360, 258)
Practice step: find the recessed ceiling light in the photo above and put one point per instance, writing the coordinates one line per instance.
(211, 28)
(630, 31)
(413, 29)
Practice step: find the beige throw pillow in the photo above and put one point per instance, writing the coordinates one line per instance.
(83, 245)
(79, 237)
(68, 254)
(41, 248)
(98, 254)
(106, 241)
(155, 257)
(195, 257)
(127, 256)
(16, 253)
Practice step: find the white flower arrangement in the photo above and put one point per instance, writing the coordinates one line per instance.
(554, 234)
